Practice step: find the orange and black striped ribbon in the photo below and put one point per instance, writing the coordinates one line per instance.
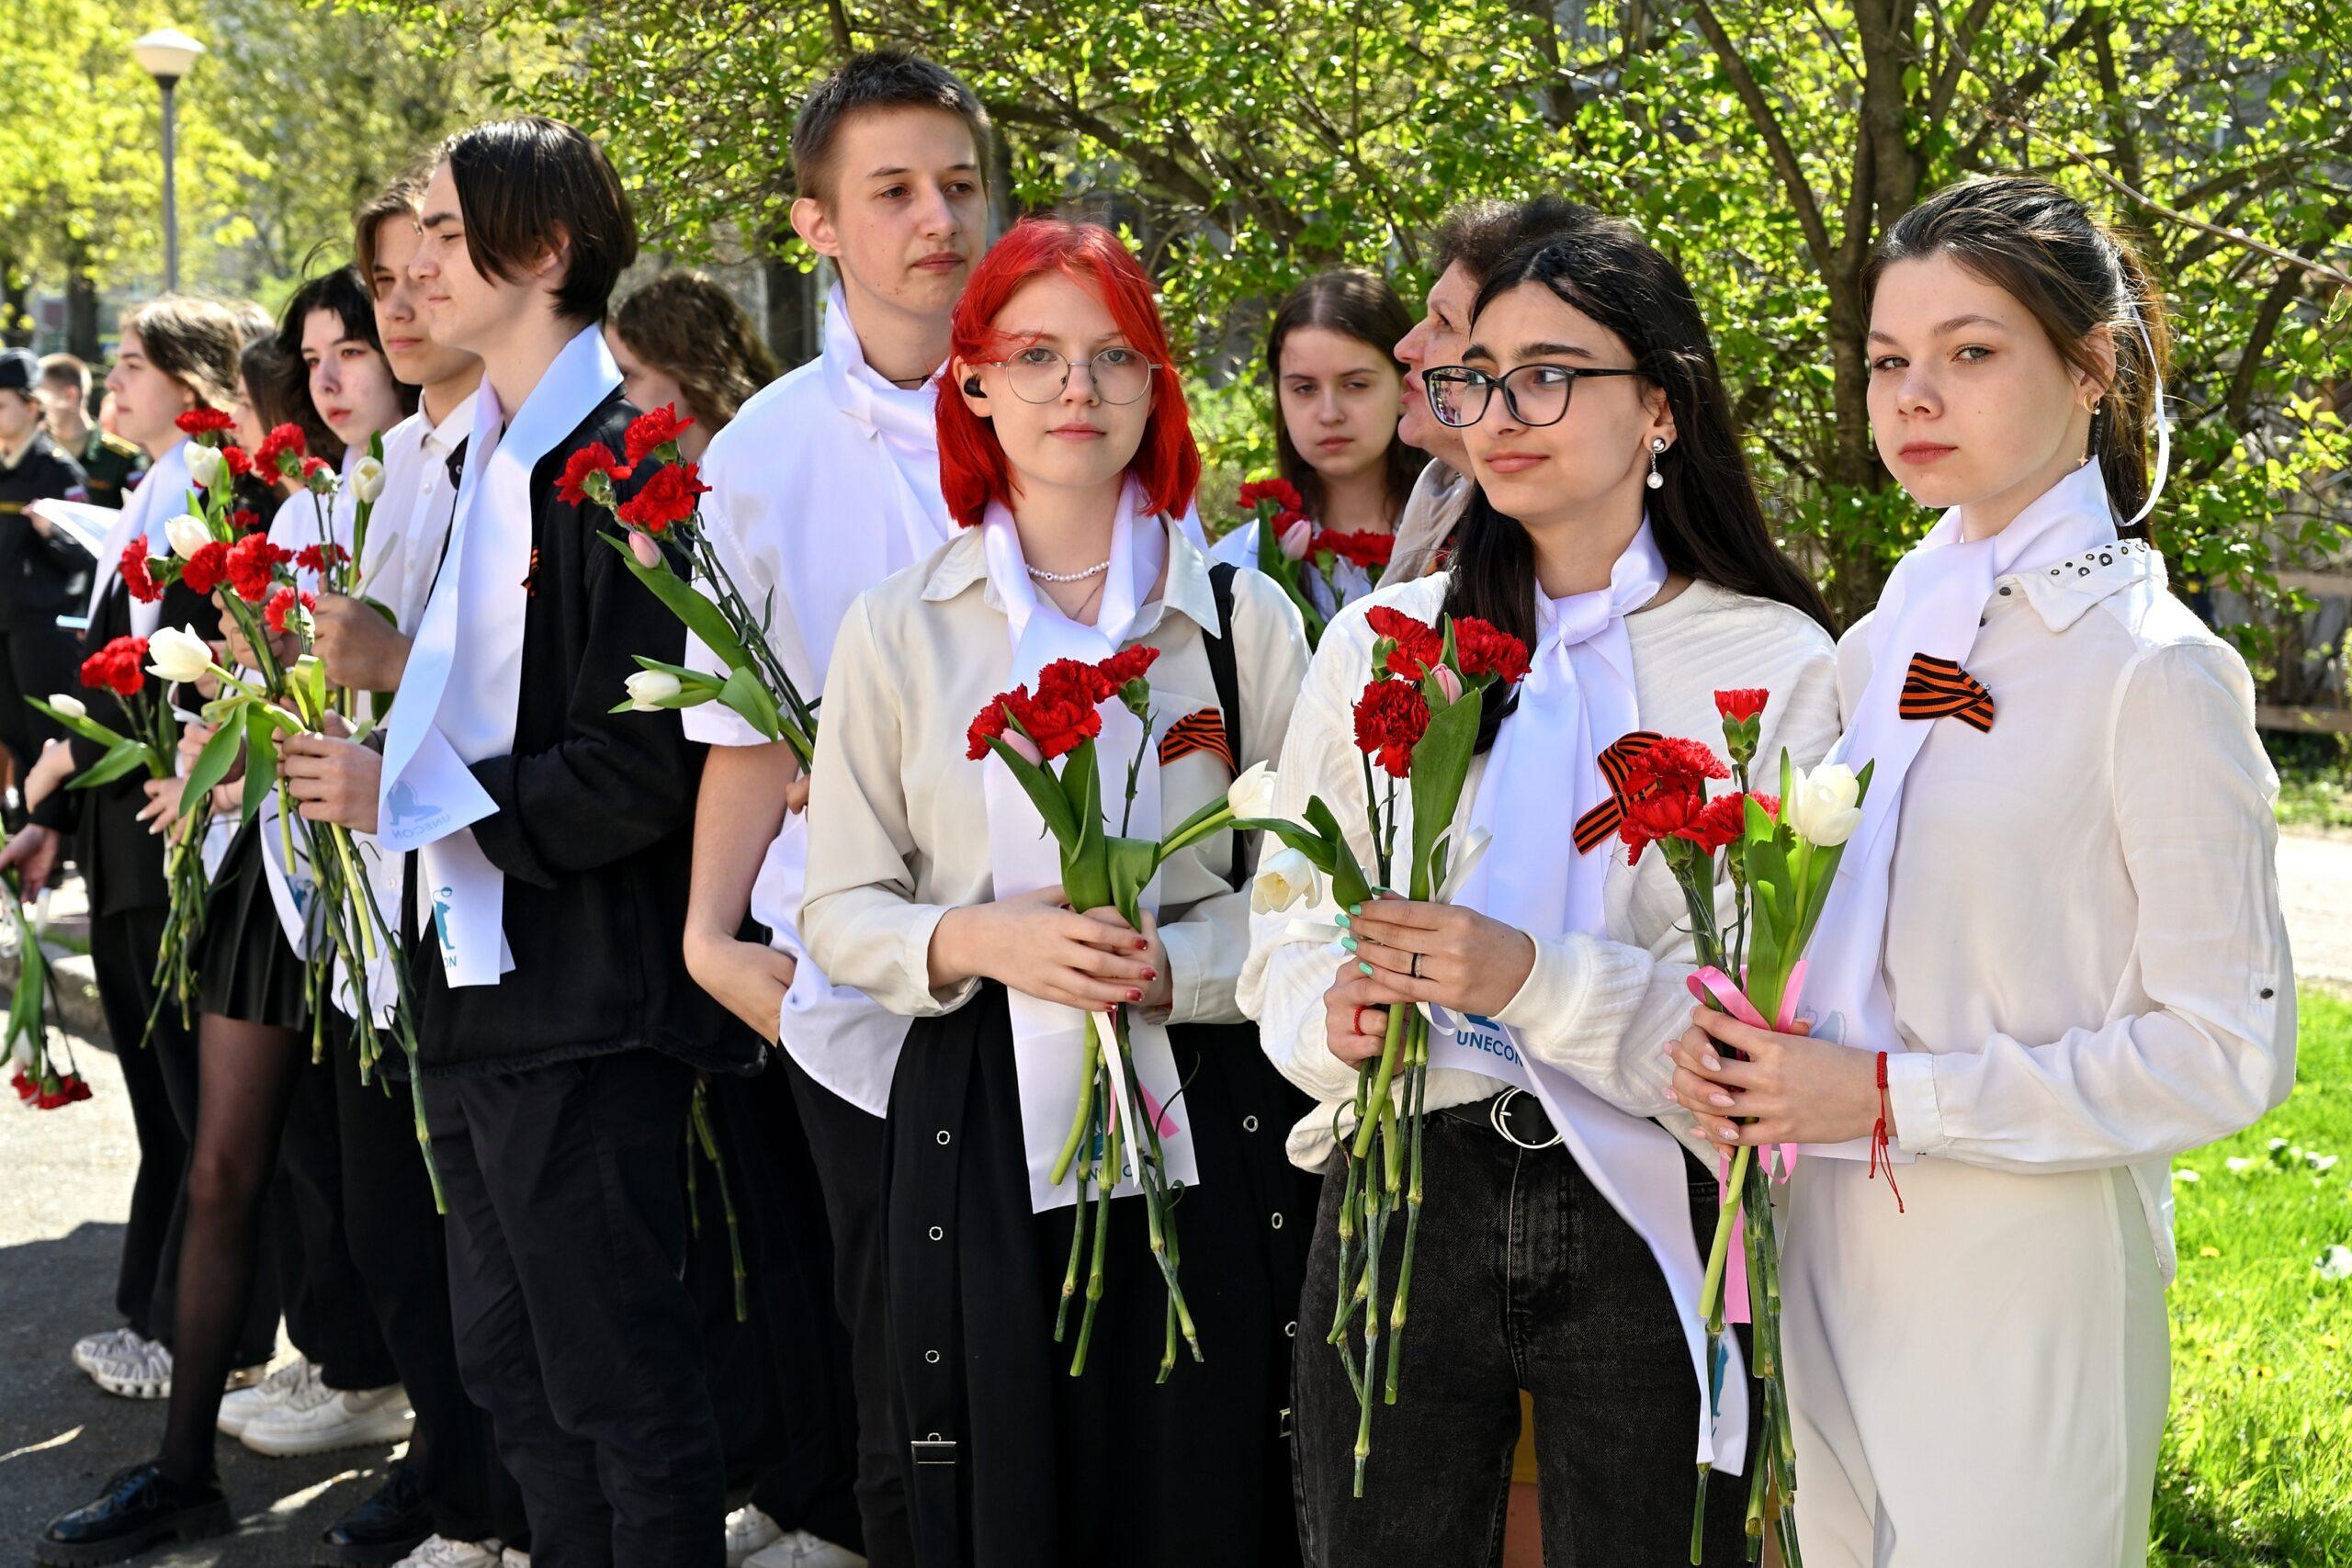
(1200, 731)
(1934, 688)
(1595, 826)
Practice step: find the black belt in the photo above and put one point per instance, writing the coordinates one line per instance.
(1514, 1115)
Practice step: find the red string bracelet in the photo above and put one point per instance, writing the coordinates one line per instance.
(1878, 1149)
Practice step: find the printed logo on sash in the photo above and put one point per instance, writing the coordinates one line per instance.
(1473, 1033)
(407, 814)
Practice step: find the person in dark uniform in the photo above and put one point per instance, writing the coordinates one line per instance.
(111, 465)
(44, 569)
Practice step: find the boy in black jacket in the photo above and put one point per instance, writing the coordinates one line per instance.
(560, 1034)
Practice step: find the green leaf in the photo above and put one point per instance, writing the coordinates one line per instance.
(1131, 862)
(1044, 790)
(88, 728)
(702, 617)
(261, 755)
(212, 764)
(743, 692)
(123, 757)
(1440, 764)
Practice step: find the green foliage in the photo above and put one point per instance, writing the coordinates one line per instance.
(2258, 1456)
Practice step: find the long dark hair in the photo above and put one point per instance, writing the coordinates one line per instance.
(342, 292)
(1355, 302)
(2043, 248)
(1705, 517)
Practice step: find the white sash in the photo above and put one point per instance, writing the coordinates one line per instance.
(1579, 696)
(1932, 604)
(160, 497)
(464, 671)
(1048, 1039)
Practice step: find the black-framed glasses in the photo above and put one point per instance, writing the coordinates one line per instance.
(1039, 375)
(1536, 395)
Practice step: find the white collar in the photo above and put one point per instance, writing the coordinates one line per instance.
(863, 393)
(456, 424)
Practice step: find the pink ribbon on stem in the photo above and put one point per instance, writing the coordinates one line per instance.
(1711, 984)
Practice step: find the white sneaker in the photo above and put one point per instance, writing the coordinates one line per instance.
(801, 1549)
(139, 1369)
(111, 1345)
(242, 1408)
(315, 1418)
(440, 1552)
(510, 1558)
(748, 1530)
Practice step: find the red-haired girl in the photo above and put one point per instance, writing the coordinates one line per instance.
(1067, 458)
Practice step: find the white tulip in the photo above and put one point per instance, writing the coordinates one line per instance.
(367, 481)
(71, 706)
(649, 688)
(1823, 806)
(187, 535)
(204, 464)
(176, 653)
(1287, 877)
(1251, 795)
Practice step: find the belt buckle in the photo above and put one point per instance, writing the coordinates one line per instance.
(1499, 1113)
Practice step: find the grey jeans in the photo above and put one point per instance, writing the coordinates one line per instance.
(1524, 1277)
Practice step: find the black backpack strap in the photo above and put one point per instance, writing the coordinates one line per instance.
(1228, 676)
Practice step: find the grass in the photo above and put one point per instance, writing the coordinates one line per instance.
(2258, 1456)
(2314, 780)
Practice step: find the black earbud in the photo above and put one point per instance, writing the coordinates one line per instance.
(972, 387)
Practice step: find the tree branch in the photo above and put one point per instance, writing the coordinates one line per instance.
(1776, 139)
(2027, 83)
(1963, 45)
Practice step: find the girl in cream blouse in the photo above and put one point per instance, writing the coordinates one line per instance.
(1065, 452)
(2055, 937)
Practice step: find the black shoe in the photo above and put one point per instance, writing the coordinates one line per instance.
(138, 1508)
(390, 1525)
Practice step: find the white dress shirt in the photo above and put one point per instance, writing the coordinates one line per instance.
(1599, 1009)
(2085, 948)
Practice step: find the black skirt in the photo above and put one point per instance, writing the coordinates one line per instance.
(1014, 1463)
(245, 969)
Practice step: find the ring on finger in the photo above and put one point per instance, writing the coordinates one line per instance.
(1355, 1024)
(1414, 969)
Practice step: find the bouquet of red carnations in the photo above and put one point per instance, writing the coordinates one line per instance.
(1290, 546)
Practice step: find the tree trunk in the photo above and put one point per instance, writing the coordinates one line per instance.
(82, 316)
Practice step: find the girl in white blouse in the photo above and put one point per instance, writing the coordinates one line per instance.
(1560, 1244)
(933, 889)
(2055, 937)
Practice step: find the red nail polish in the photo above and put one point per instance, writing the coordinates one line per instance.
(1135, 995)
(1142, 946)
(1150, 974)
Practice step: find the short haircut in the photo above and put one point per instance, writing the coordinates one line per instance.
(1479, 234)
(972, 467)
(693, 331)
(396, 200)
(882, 79)
(192, 340)
(524, 183)
(66, 370)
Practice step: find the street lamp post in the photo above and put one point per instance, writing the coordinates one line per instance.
(166, 55)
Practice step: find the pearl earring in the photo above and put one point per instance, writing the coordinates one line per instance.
(1657, 480)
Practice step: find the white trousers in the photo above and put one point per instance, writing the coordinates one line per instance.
(1978, 1380)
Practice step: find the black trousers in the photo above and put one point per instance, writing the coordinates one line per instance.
(852, 1150)
(402, 1261)
(779, 1377)
(159, 1080)
(326, 1300)
(1524, 1277)
(567, 1231)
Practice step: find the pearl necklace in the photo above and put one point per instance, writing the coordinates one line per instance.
(1097, 570)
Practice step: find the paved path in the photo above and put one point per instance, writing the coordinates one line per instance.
(64, 1181)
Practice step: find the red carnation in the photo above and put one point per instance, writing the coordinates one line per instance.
(280, 452)
(1657, 813)
(1420, 646)
(1074, 681)
(651, 431)
(281, 607)
(135, 575)
(1390, 717)
(116, 667)
(22, 1082)
(253, 566)
(204, 421)
(1484, 649)
(986, 724)
(1060, 717)
(1127, 664)
(239, 463)
(243, 520)
(1717, 823)
(667, 497)
(70, 1089)
(1282, 493)
(206, 569)
(1366, 549)
(571, 489)
(1742, 703)
(1674, 766)
(321, 558)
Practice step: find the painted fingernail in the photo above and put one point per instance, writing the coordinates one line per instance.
(1142, 946)
(1348, 943)
(1344, 917)
(1674, 1097)
(1355, 908)
(1722, 1100)
(1711, 1063)
(1135, 995)
(1364, 969)
(1150, 974)
(1727, 1134)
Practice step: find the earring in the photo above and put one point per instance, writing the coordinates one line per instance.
(972, 387)
(1657, 480)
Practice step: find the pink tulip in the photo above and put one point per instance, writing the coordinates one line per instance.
(1296, 538)
(1448, 683)
(641, 546)
(1022, 746)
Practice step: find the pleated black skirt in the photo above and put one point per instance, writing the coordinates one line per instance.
(1014, 1463)
(245, 969)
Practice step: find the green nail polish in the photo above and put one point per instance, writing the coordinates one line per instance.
(1364, 969)
(1348, 943)
(1341, 917)
(1355, 908)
